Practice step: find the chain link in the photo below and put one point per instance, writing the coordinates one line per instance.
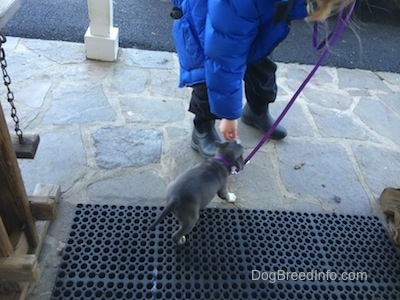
(10, 94)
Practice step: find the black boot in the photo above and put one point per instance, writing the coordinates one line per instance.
(204, 137)
(262, 121)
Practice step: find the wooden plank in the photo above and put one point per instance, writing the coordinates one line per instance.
(14, 205)
(23, 289)
(20, 243)
(19, 268)
(11, 291)
(6, 248)
(43, 208)
(390, 199)
(14, 290)
(28, 148)
(53, 192)
(397, 216)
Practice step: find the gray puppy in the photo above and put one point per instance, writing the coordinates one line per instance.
(194, 189)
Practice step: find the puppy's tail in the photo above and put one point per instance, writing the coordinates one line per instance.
(165, 212)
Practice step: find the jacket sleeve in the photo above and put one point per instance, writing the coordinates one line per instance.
(231, 28)
(176, 3)
(298, 11)
(188, 35)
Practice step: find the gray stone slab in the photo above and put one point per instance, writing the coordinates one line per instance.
(180, 134)
(132, 188)
(328, 98)
(257, 185)
(25, 115)
(295, 72)
(147, 59)
(392, 100)
(322, 81)
(60, 159)
(33, 93)
(24, 65)
(85, 72)
(391, 79)
(379, 118)
(178, 155)
(360, 79)
(126, 147)
(298, 73)
(248, 135)
(295, 121)
(282, 92)
(360, 93)
(322, 171)
(165, 82)
(309, 205)
(332, 123)
(11, 44)
(28, 97)
(55, 50)
(126, 80)
(379, 166)
(79, 103)
(324, 77)
(291, 86)
(151, 110)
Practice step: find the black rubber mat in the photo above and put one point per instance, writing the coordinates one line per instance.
(231, 254)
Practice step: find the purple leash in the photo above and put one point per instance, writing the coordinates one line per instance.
(328, 42)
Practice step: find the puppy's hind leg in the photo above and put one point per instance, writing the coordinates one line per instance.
(186, 226)
(179, 237)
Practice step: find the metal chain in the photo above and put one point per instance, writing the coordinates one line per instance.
(10, 94)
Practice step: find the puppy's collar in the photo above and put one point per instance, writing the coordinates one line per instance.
(231, 169)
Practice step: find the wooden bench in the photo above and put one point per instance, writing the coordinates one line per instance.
(24, 220)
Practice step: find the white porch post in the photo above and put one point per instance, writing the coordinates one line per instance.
(101, 38)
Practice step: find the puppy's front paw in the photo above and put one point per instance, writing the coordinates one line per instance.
(231, 197)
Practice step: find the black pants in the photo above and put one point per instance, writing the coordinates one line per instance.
(260, 89)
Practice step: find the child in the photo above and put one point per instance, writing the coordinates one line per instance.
(220, 43)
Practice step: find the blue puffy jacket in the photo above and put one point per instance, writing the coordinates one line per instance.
(216, 39)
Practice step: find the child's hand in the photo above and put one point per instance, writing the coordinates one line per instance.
(228, 129)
